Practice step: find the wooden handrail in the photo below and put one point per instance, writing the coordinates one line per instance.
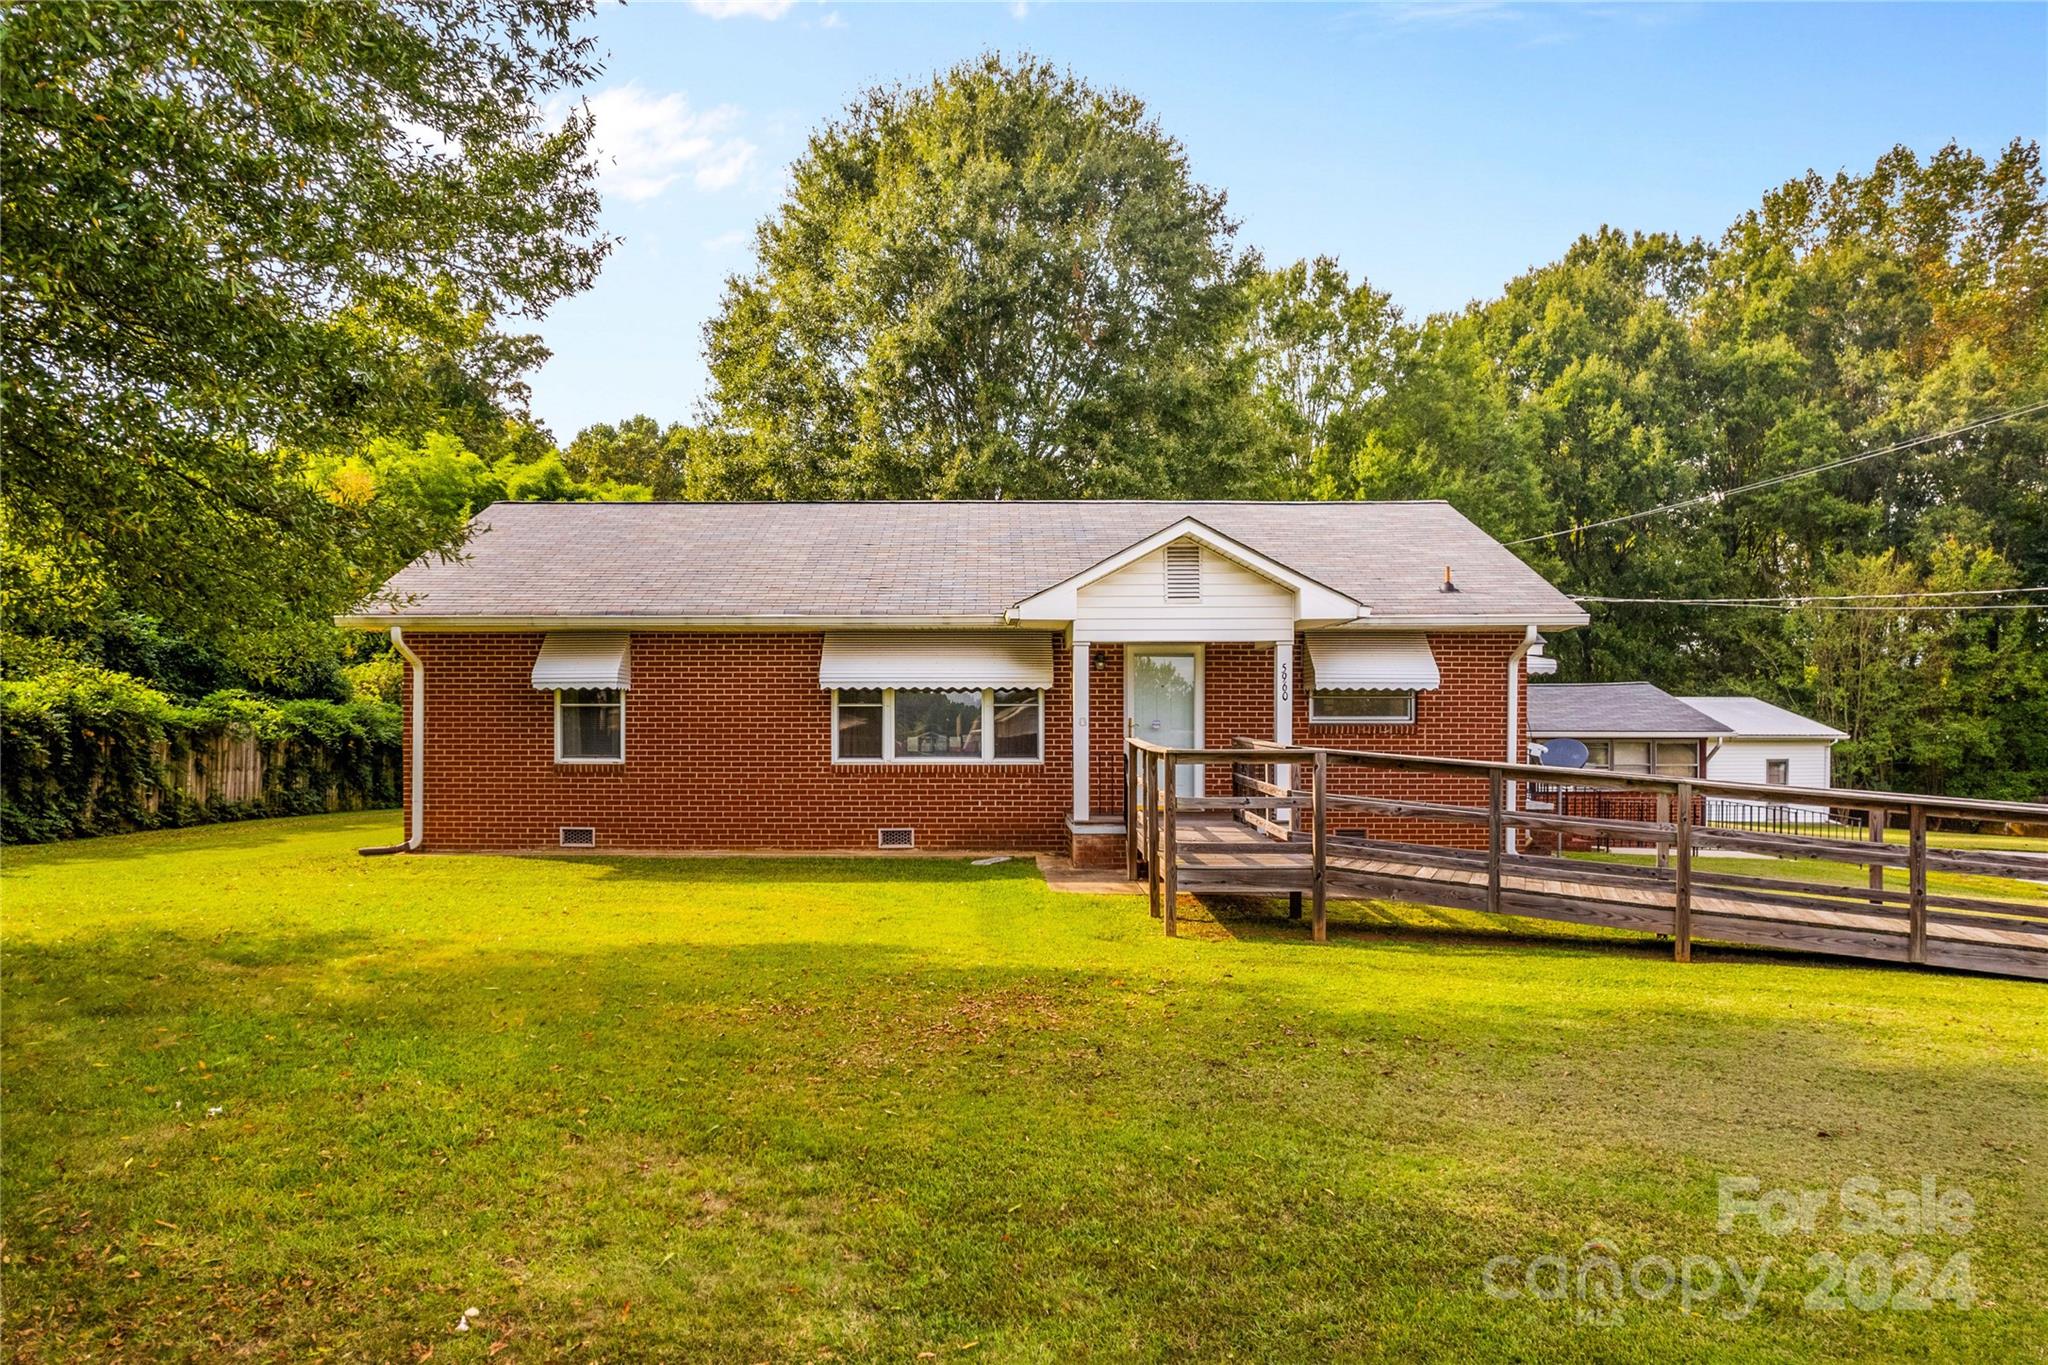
(1153, 806)
(1598, 777)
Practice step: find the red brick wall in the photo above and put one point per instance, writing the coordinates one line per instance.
(1105, 732)
(728, 745)
(1595, 803)
(1465, 717)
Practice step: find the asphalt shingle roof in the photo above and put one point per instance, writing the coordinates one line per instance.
(925, 559)
(1574, 710)
(1754, 718)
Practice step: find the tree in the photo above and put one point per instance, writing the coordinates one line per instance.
(421, 495)
(218, 221)
(636, 451)
(1442, 427)
(1934, 692)
(1851, 312)
(1322, 349)
(1595, 356)
(1004, 283)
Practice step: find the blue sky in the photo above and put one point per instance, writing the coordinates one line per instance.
(1438, 149)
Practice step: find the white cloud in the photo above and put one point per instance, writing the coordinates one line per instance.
(832, 19)
(728, 241)
(742, 9)
(646, 142)
(1020, 9)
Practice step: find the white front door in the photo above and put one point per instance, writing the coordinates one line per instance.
(1163, 698)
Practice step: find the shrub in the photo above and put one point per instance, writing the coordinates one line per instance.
(85, 750)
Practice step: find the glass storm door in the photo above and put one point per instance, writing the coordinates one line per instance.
(1165, 685)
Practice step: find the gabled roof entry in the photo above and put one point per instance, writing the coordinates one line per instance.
(1314, 601)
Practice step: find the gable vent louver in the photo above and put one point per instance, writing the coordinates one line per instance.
(1183, 572)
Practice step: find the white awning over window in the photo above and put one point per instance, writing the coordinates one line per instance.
(583, 659)
(1354, 661)
(929, 659)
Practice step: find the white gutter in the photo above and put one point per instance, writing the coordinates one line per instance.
(1366, 621)
(416, 780)
(629, 621)
(1530, 639)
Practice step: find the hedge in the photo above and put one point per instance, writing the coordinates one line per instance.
(87, 751)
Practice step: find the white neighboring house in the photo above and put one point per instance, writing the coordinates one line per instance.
(1769, 745)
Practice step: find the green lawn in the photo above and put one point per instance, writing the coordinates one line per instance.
(266, 1099)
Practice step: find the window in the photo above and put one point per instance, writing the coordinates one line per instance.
(1631, 756)
(1678, 760)
(1665, 758)
(905, 725)
(1778, 772)
(1017, 722)
(1361, 708)
(938, 724)
(590, 725)
(859, 723)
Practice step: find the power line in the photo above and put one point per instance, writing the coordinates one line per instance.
(1722, 495)
(1808, 605)
(1805, 599)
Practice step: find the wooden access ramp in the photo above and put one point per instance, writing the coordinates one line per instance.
(1276, 834)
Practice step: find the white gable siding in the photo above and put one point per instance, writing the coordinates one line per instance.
(1809, 763)
(1235, 604)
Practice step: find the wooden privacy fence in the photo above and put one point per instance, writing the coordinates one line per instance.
(1273, 834)
(236, 771)
(229, 768)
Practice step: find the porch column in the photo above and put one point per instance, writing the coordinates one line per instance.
(1283, 711)
(1080, 691)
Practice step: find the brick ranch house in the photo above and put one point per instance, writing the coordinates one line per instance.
(936, 675)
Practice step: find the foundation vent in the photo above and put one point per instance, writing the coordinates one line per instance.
(896, 838)
(578, 836)
(1183, 572)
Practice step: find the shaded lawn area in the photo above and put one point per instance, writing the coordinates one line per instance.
(267, 1098)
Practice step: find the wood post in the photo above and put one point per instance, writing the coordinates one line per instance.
(1878, 816)
(1130, 817)
(1318, 843)
(1169, 855)
(1916, 885)
(1496, 783)
(1663, 818)
(1152, 883)
(1681, 893)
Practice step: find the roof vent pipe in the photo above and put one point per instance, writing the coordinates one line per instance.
(1449, 586)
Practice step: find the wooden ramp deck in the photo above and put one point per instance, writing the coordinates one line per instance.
(1220, 856)
(1273, 838)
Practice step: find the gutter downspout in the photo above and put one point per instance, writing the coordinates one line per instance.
(1530, 639)
(416, 780)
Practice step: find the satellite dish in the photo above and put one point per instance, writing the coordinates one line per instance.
(1564, 753)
